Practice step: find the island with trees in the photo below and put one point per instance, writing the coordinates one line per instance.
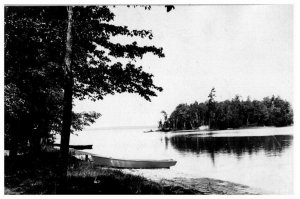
(234, 113)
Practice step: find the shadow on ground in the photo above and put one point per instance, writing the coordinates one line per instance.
(27, 175)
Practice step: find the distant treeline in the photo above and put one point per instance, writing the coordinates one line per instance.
(235, 113)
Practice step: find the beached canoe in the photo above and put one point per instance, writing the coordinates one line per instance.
(137, 164)
(79, 147)
(148, 131)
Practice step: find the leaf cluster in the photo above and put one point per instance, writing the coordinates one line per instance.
(35, 38)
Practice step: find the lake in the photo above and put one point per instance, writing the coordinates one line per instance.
(259, 157)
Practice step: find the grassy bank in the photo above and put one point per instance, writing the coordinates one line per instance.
(24, 175)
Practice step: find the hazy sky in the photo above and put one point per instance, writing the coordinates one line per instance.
(238, 49)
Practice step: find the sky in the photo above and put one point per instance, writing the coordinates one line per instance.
(238, 49)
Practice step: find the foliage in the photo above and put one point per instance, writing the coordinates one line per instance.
(95, 74)
(34, 56)
(211, 107)
(235, 113)
(80, 120)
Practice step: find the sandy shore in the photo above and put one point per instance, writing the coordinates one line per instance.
(212, 186)
(205, 186)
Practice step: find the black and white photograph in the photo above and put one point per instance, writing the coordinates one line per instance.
(148, 99)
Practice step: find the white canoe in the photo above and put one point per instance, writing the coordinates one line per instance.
(137, 164)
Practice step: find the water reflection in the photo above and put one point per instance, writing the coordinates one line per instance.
(238, 146)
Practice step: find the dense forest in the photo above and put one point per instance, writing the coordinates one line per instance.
(234, 113)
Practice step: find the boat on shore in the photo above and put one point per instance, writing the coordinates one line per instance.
(123, 163)
(78, 147)
(133, 164)
(150, 131)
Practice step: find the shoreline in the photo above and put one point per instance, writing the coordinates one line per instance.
(213, 130)
(210, 186)
(24, 176)
(203, 185)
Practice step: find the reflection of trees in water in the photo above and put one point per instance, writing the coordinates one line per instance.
(271, 145)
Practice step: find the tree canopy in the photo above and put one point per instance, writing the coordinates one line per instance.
(35, 49)
(234, 113)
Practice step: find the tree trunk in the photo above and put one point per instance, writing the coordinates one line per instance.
(197, 120)
(191, 123)
(35, 146)
(247, 120)
(67, 104)
(14, 144)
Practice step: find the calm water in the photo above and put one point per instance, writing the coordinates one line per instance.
(261, 158)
